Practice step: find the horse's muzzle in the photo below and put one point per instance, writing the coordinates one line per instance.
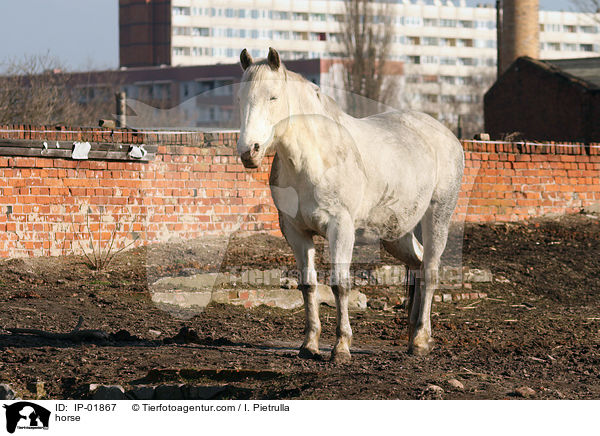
(248, 160)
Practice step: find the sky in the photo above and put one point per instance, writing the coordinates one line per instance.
(84, 34)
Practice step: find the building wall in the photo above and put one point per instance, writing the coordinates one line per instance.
(197, 187)
(144, 32)
(540, 105)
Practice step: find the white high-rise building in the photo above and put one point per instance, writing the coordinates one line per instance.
(448, 49)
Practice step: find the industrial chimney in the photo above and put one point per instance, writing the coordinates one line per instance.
(519, 31)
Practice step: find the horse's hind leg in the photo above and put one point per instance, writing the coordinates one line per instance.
(304, 251)
(409, 251)
(435, 234)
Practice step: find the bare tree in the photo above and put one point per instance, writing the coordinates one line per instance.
(367, 33)
(35, 90)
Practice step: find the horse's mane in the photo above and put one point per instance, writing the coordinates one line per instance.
(259, 69)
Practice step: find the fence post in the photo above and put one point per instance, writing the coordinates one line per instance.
(121, 109)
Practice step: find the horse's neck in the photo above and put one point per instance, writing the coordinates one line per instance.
(314, 137)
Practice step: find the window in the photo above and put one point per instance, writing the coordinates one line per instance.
(466, 24)
(586, 47)
(241, 13)
(429, 40)
(181, 51)
(429, 59)
(412, 21)
(447, 23)
(431, 98)
(589, 29)
(413, 40)
(335, 37)
(229, 13)
(553, 46)
(300, 36)
(467, 61)
(279, 15)
(317, 17)
(300, 16)
(447, 60)
(569, 47)
(281, 34)
(179, 10)
(430, 22)
(254, 14)
(200, 31)
(414, 59)
(571, 29)
(181, 31)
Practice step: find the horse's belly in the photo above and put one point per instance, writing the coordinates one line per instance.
(389, 224)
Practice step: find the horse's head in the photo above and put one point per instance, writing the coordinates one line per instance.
(263, 101)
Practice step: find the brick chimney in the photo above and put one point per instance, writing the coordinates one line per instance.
(519, 32)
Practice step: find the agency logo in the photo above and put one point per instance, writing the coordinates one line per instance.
(26, 415)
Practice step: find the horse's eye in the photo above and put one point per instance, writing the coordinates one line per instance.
(273, 98)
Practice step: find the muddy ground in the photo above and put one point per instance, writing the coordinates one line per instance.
(540, 326)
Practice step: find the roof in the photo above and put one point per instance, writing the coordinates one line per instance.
(587, 69)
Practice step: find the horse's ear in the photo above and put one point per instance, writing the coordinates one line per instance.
(245, 59)
(273, 59)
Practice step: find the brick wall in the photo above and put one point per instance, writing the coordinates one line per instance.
(196, 186)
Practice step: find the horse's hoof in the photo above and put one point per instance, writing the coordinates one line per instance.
(421, 350)
(340, 357)
(305, 353)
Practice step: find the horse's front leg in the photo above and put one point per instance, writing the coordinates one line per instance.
(304, 252)
(340, 234)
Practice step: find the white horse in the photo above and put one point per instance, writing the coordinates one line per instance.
(353, 180)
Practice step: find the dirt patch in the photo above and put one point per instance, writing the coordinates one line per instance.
(539, 328)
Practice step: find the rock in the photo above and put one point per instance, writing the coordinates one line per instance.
(6, 393)
(356, 300)
(388, 275)
(201, 392)
(456, 384)
(255, 277)
(186, 272)
(168, 392)
(432, 392)
(37, 389)
(446, 298)
(377, 304)
(107, 392)
(154, 333)
(287, 283)
(141, 393)
(474, 275)
(592, 208)
(524, 392)
(185, 299)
